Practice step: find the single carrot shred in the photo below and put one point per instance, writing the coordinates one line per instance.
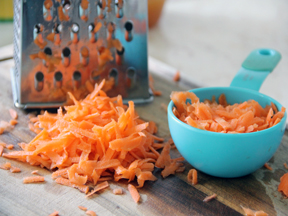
(66, 182)
(209, 115)
(55, 213)
(33, 179)
(13, 122)
(285, 165)
(90, 213)
(209, 198)
(98, 187)
(13, 114)
(176, 77)
(35, 172)
(192, 176)
(5, 166)
(14, 169)
(250, 212)
(117, 191)
(10, 147)
(283, 186)
(268, 167)
(1, 150)
(82, 208)
(134, 193)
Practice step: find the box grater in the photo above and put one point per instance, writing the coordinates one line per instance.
(63, 45)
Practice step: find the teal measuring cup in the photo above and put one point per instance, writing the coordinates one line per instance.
(232, 155)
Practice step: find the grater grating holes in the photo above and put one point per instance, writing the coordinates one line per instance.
(128, 33)
(114, 74)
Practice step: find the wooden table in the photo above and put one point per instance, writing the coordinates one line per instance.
(170, 196)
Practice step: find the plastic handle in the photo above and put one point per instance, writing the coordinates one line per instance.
(256, 68)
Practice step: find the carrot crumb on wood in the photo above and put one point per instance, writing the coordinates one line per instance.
(3, 144)
(267, 167)
(14, 169)
(117, 191)
(209, 198)
(10, 147)
(5, 166)
(1, 150)
(98, 187)
(13, 113)
(250, 212)
(13, 122)
(33, 179)
(283, 186)
(35, 172)
(91, 213)
(82, 208)
(176, 77)
(55, 213)
(192, 176)
(134, 193)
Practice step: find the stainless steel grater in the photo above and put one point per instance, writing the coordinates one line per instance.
(69, 45)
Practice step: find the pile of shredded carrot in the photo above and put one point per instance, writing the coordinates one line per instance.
(97, 139)
(244, 117)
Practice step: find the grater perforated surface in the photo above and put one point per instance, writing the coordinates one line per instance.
(62, 45)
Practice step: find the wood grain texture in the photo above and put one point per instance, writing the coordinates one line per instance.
(170, 196)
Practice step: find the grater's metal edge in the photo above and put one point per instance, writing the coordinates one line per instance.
(14, 89)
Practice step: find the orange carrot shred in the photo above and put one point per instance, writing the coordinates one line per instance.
(98, 187)
(13, 122)
(91, 213)
(5, 166)
(35, 172)
(1, 150)
(134, 193)
(209, 198)
(13, 113)
(250, 212)
(66, 182)
(283, 186)
(285, 165)
(33, 179)
(117, 191)
(55, 213)
(14, 169)
(267, 167)
(192, 176)
(82, 208)
(10, 147)
(176, 77)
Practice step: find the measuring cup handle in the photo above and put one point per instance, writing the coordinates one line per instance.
(256, 68)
